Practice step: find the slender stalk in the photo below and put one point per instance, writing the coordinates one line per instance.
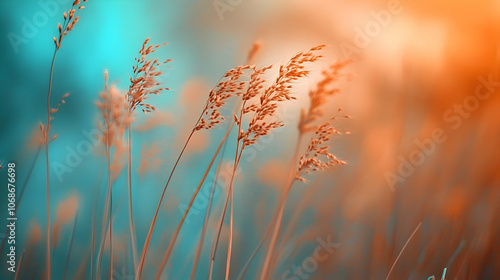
(221, 222)
(181, 222)
(105, 231)
(110, 189)
(274, 237)
(217, 238)
(153, 222)
(209, 207)
(92, 249)
(131, 217)
(237, 158)
(93, 237)
(230, 246)
(281, 211)
(245, 268)
(19, 265)
(107, 210)
(110, 216)
(229, 196)
(247, 264)
(292, 221)
(70, 247)
(28, 177)
(401, 252)
(47, 187)
(23, 188)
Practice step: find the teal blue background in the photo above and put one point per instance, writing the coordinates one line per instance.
(108, 36)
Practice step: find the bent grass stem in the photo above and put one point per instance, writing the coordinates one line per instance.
(181, 222)
(131, 217)
(207, 214)
(280, 212)
(153, 222)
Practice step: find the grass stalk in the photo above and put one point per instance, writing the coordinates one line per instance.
(92, 247)
(19, 265)
(268, 231)
(207, 214)
(70, 247)
(402, 250)
(23, 188)
(108, 205)
(69, 23)
(230, 245)
(221, 221)
(155, 216)
(110, 225)
(184, 216)
(217, 238)
(130, 212)
(93, 239)
(47, 187)
(237, 157)
(247, 264)
(110, 210)
(280, 212)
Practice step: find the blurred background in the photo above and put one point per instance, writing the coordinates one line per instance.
(422, 156)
